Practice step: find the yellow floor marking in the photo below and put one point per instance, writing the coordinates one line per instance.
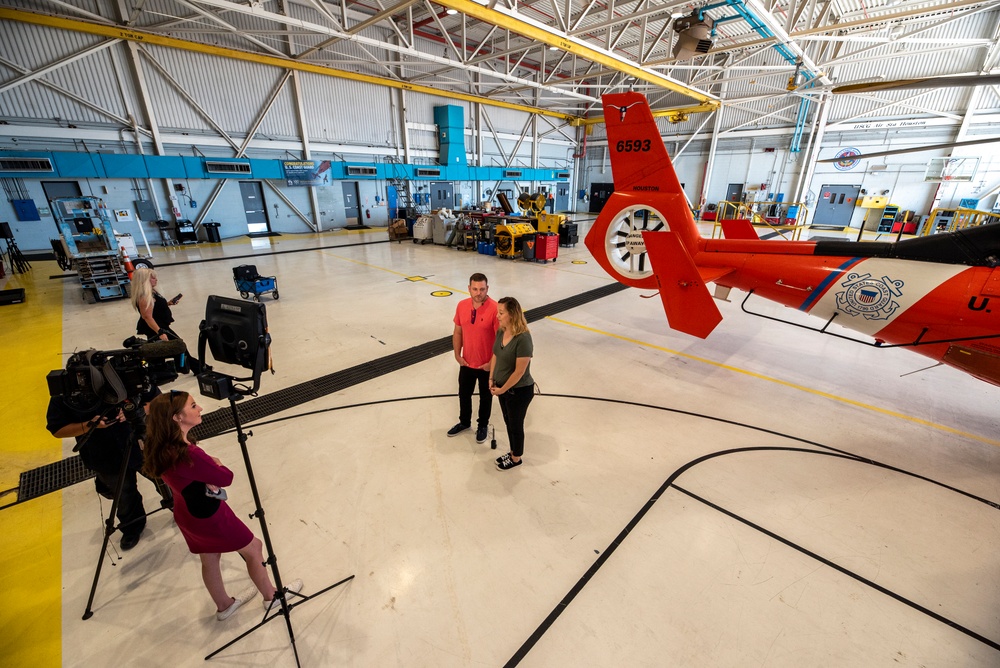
(753, 374)
(408, 277)
(31, 565)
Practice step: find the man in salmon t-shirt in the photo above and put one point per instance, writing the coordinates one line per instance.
(475, 330)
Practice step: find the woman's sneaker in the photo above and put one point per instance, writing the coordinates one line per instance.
(274, 604)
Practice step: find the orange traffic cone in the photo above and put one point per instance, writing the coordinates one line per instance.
(129, 269)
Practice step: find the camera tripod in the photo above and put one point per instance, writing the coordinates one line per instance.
(109, 524)
(282, 593)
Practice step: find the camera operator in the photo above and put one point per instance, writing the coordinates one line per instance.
(105, 440)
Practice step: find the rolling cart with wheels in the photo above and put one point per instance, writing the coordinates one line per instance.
(249, 282)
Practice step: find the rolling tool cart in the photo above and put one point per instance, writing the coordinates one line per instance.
(546, 247)
(249, 282)
(186, 234)
(568, 235)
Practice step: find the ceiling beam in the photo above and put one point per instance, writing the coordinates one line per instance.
(143, 37)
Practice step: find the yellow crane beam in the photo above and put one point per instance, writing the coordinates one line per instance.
(573, 46)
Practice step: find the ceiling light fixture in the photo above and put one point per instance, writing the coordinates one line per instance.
(451, 12)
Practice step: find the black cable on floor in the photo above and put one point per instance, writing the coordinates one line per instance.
(251, 255)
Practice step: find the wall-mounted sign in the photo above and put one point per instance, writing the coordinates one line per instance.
(307, 172)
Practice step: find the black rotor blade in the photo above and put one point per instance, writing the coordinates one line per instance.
(913, 150)
(916, 84)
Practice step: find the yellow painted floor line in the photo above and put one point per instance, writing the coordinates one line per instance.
(393, 271)
(31, 561)
(778, 381)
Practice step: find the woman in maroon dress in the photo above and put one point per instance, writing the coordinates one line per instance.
(207, 523)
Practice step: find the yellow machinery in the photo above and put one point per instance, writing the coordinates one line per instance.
(507, 238)
(534, 205)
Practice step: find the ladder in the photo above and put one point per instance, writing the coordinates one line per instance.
(404, 201)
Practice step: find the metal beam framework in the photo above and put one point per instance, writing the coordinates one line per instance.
(557, 57)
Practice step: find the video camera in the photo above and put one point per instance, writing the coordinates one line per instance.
(94, 377)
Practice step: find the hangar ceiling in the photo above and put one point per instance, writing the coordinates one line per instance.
(557, 57)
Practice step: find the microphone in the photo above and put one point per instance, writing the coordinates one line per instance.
(162, 349)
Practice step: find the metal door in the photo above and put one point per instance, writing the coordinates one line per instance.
(734, 192)
(442, 195)
(562, 197)
(351, 202)
(253, 204)
(600, 193)
(835, 206)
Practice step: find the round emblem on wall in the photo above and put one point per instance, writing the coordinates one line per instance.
(844, 162)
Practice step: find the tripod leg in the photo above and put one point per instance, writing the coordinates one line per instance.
(109, 530)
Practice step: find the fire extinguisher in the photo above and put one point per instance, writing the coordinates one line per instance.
(368, 213)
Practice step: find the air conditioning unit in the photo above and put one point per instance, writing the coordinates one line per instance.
(428, 172)
(694, 35)
(512, 173)
(356, 170)
(218, 167)
(26, 165)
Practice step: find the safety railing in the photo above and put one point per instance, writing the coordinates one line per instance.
(778, 217)
(949, 220)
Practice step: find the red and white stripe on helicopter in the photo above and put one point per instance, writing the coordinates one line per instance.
(936, 295)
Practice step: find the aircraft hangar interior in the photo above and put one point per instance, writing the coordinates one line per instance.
(719, 279)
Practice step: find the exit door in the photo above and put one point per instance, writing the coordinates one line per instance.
(352, 199)
(600, 193)
(562, 197)
(734, 193)
(253, 206)
(836, 205)
(442, 195)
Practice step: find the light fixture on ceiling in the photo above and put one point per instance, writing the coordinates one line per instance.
(451, 12)
(553, 48)
(694, 35)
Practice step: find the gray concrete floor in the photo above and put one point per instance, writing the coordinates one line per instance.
(818, 511)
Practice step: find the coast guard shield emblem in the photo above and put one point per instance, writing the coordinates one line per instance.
(868, 297)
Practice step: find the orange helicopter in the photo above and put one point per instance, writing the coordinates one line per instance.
(933, 294)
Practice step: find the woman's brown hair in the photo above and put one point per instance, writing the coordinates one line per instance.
(164, 446)
(518, 323)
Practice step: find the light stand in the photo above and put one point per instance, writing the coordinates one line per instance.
(224, 335)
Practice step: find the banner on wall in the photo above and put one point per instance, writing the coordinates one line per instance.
(307, 172)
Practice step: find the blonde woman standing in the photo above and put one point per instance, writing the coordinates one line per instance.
(155, 316)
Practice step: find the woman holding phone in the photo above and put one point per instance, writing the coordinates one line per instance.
(155, 316)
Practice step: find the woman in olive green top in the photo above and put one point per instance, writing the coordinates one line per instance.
(510, 376)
